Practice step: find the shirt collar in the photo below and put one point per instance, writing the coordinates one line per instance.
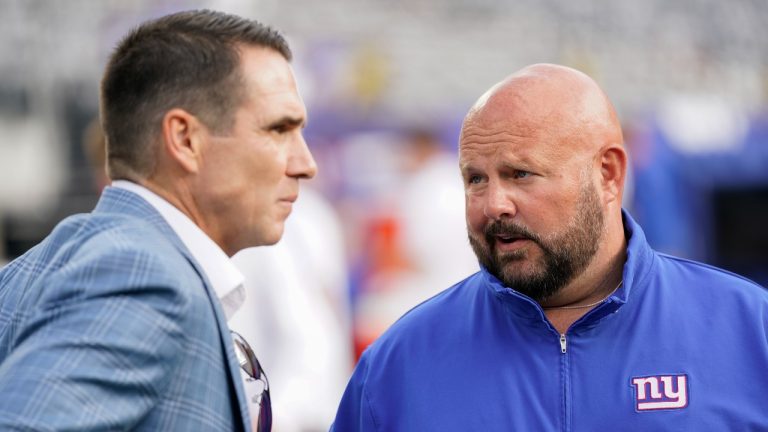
(226, 279)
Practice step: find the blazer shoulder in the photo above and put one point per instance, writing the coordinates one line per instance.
(91, 254)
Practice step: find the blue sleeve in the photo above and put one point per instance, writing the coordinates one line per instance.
(355, 412)
(95, 347)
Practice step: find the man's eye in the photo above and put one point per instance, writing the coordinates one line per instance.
(474, 179)
(522, 174)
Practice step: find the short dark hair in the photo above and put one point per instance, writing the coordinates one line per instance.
(188, 60)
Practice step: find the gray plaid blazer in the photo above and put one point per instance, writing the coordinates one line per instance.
(109, 324)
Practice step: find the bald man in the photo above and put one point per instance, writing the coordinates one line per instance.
(574, 322)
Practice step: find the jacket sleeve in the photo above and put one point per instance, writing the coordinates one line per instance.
(95, 349)
(355, 413)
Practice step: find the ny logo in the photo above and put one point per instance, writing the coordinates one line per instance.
(660, 392)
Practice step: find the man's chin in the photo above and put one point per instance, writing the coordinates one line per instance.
(274, 235)
(523, 272)
(266, 237)
(518, 263)
(520, 277)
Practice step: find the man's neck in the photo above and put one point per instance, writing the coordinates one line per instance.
(596, 283)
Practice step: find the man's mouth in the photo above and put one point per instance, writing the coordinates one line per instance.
(509, 238)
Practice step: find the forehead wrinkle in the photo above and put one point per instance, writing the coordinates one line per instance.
(481, 136)
(506, 138)
(502, 155)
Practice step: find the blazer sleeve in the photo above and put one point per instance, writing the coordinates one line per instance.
(97, 348)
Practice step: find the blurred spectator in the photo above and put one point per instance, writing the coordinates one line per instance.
(426, 243)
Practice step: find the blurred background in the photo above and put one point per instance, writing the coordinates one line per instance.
(387, 84)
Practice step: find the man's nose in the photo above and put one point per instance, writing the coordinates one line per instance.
(301, 164)
(499, 202)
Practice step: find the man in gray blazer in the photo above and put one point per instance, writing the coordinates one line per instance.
(117, 320)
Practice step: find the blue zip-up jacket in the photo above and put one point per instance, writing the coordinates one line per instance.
(680, 346)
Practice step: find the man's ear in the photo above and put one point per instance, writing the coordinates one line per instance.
(613, 171)
(183, 136)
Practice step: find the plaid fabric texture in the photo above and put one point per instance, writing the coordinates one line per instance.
(109, 324)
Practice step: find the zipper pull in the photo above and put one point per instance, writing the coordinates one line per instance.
(563, 343)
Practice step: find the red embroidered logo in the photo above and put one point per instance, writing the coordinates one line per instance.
(660, 392)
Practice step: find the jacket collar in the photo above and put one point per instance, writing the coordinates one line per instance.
(123, 202)
(222, 274)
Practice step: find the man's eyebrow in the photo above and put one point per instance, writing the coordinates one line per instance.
(466, 167)
(288, 121)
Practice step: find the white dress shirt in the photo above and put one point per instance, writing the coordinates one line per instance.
(226, 279)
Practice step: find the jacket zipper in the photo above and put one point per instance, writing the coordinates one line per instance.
(565, 366)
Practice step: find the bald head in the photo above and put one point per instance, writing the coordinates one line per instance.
(553, 101)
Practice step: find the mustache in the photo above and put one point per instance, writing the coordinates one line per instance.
(508, 229)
